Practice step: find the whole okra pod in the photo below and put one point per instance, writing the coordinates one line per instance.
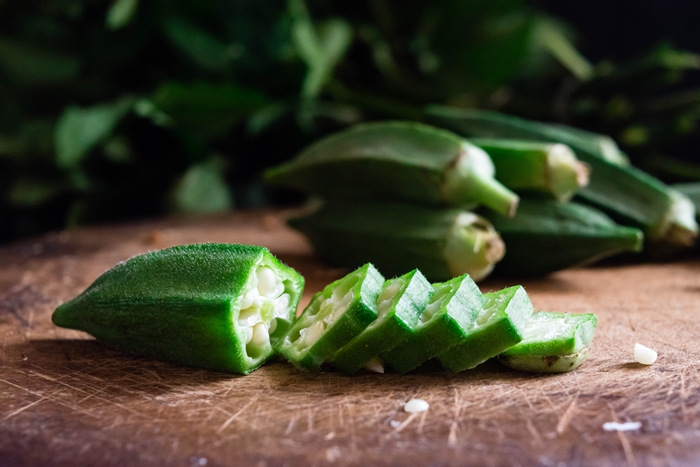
(546, 236)
(217, 306)
(442, 243)
(625, 192)
(399, 161)
(548, 168)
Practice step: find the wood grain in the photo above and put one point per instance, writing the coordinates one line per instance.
(67, 400)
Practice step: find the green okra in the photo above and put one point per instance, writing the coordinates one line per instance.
(552, 343)
(400, 304)
(341, 311)
(443, 324)
(546, 236)
(442, 243)
(549, 168)
(397, 161)
(625, 192)
(499, 325)
(217, 306)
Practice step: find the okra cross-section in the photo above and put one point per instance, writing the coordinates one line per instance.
(216, 306)
(333, 317)
(498, 326)
(443, 323)
(552, 343)
(400, 303)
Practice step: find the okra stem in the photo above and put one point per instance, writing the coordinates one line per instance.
(534, 166)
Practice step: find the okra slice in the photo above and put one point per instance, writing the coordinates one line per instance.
(549, 168)
(400, 303)
(552, 343)
(500, 324)
(399, 161)
(442, 324)
(627, 193)
(546, 236)
(441, 243)
(217, 306)
(341, 311)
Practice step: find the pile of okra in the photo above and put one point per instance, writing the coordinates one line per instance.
(476, 190)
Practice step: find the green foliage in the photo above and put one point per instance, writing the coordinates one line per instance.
(112, 110)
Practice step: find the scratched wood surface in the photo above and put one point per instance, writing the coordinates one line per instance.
(67, 400)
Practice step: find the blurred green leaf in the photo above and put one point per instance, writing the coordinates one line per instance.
(121, 13)
(29, 65)
(551, 37)
(207, 108)
(203, 189)
(197, 44)
(79, 129)
(321, 49)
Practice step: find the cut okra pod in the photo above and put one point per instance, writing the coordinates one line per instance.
(552, 343)
(442, 243)
(341, 311)
(546, 236)
(548, 168)
(400, 303)
(216, 306)
(499, 325)
(443, 324)
(399, 161)
(625, 192)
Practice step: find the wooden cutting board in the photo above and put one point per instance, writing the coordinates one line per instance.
(67, 400)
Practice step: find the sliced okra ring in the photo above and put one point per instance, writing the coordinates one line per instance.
(498, 326)
(215, 306)
(399, 305)
(450, 311)
(333, 317)
(552, 343)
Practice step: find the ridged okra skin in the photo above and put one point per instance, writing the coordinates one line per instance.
(551, 169)
(546, 236)
(624, 192)
(498, 326)
(442, 243)
(443, 324)
(182, 305)
(400, 304)
(552, 343)
(341, 311)
(397, 161)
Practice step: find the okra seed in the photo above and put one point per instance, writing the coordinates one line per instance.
(375, 365)
(248, 335)
(314, 333)
(267, 280)
(416, 405)
(644, 355)
(260, 335)
(249, 317)
(273, 326)
(249, 299)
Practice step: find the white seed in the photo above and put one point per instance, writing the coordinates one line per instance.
(249, 299)
(644, 355)
(415, 406)
(627, 426)
(248, 335)
(260, 335)
(267, 280)
(279, 289)
(376, 365)
(390, 291)
(273, 326)
(249, 317)
(282, 305)
(314, 333)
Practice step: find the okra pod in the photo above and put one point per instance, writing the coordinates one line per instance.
(499, 325)
(546, 236)
(217, 306)
(442, 243)
(552, 343)
(443, 324)
(400, 303)
(626, 193)
(550, 168)
(691, 191)
(341, 311)
(399, 161)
